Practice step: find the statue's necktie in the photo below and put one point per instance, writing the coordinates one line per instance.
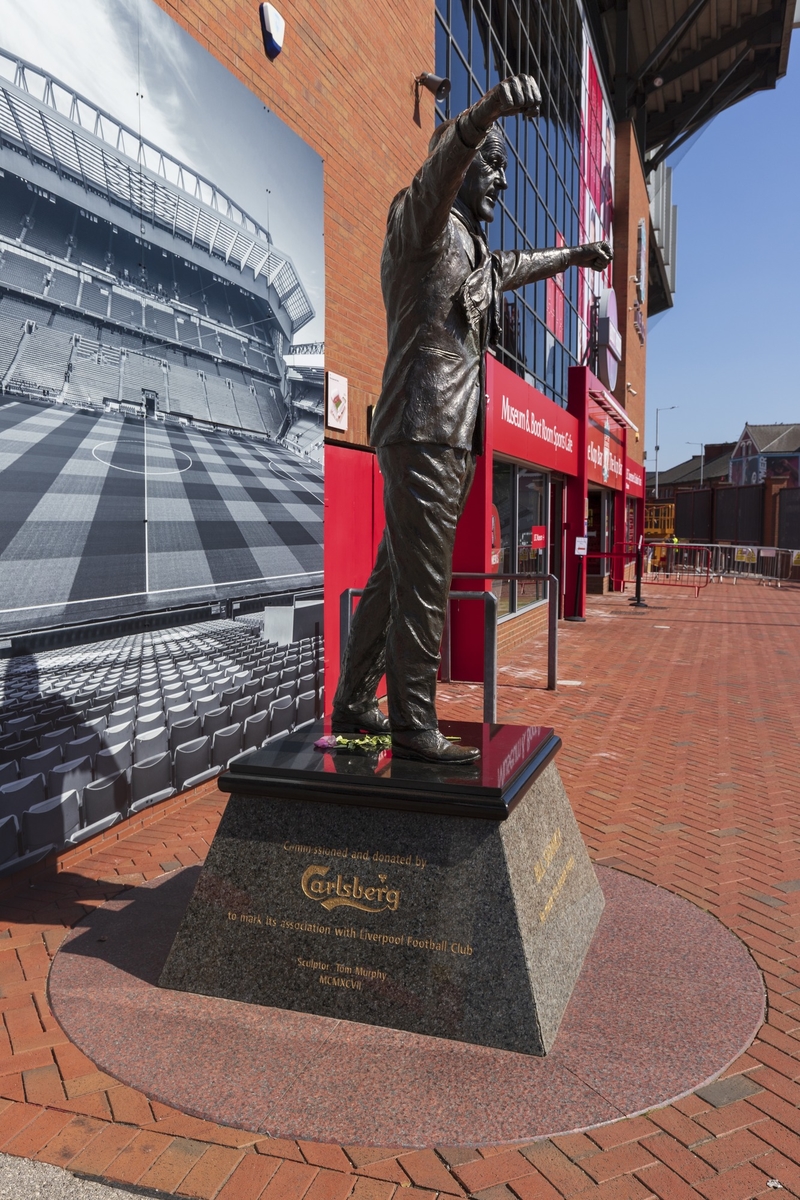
(480, 293)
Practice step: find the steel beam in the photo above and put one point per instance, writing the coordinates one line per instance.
(682, 116)
(688, 129)
(669, 42)
(734, 37)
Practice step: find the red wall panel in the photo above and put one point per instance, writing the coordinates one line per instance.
(353, 530)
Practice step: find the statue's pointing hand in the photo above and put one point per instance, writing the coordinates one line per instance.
(596, 256)
(518, 94)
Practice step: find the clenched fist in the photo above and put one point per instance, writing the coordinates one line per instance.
(596, 256)
(518, 94)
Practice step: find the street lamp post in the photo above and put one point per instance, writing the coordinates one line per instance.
(667, 408)
(702, 446)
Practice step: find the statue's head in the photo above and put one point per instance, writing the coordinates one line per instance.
(486, 176)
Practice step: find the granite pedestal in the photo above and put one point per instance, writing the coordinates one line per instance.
(456, 902)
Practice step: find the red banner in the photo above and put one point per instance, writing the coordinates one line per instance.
(526, 425)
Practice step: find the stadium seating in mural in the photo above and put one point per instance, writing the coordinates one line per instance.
(164, 435)
(93, 735)
(79, 340)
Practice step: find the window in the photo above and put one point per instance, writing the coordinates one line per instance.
(532, 492)
(504, 518)
(560, 167)
(520, 538)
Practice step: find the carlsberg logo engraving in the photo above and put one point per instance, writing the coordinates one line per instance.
(336, 893)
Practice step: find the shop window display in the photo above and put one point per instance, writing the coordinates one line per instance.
(532, 492)
(520, 501)
(504, 503)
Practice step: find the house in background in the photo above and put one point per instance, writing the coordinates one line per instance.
(747, 494)
(767, 452)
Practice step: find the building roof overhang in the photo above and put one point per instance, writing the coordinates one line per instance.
(673, 67)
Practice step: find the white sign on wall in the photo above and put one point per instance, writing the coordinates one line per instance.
(336, 401)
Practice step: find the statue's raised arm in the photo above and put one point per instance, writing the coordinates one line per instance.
(422, 211)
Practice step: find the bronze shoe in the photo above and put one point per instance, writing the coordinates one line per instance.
(369, 720)
(428, 745)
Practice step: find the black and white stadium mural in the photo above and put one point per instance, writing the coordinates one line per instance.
(161, 323)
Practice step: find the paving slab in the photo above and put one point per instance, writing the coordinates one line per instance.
(667, 999)
(641, 767)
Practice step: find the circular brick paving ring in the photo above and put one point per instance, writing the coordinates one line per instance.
(667, 999)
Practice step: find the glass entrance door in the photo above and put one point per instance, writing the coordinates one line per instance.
(520, 538)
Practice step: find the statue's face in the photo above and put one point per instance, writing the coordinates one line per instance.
(485, 179)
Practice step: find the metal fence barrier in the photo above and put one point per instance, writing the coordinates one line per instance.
(489, 631)
(767, 565)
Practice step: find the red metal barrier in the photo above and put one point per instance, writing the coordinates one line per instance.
(668, 564)
(624, 553)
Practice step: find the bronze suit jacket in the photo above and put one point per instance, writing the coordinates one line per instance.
(442, 288)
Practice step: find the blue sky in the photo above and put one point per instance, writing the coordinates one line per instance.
(729, 351)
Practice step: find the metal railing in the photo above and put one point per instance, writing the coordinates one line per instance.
(489, 649)
(552, 610)
(766, 565)
(489, 630)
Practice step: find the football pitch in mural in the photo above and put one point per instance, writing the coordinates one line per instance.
(161, 323)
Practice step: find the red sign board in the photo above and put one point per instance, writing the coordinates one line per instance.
(605, 448)
(634, 479)
(538, 537)
(526, 425)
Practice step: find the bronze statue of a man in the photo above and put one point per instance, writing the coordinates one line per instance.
(442, 289)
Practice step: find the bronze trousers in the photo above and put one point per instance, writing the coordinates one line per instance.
(397, 626)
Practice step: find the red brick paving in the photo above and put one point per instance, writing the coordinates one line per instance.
(681, 753)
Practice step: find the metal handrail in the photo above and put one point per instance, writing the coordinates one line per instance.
(489, 640)
(552, 611)
(489, 629)
(489, 649)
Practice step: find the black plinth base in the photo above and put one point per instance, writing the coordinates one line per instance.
(372, 902)
(512, 757)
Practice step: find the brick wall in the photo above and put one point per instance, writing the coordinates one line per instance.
(519, 632)
(344, 83)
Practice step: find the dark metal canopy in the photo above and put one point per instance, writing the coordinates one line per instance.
(673, 65)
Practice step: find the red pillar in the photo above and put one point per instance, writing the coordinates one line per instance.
(620, 524)
(577, 492)
(353, 529)
(472, 552)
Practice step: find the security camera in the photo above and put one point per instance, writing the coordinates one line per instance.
(434, 83)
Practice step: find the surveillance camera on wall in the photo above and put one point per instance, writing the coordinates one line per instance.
(437, 84)
(273, 27)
